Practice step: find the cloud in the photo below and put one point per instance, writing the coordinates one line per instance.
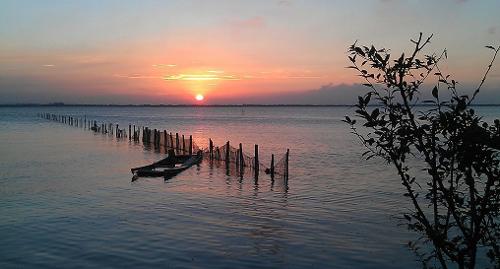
(164, 65)
(136, 76)
(200, 77)
(329, 94)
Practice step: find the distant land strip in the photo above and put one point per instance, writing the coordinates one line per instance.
(198, 105)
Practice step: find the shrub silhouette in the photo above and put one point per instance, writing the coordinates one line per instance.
(456, 200)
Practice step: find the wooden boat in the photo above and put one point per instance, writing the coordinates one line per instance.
(168, 167)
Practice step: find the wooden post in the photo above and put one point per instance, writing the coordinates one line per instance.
(227, 155)
(158, 138)
(272, 167)
(165, 140)
(211, 148)
(183, 145)
(240, 157)
(155, 134)
(172, 141)
(190, 151)
(129, 132)
(256, 164)
(177, 142)
(286, 163)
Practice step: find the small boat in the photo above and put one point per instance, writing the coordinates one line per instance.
(168, 167)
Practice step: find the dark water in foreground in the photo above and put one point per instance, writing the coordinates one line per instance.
(66, 199)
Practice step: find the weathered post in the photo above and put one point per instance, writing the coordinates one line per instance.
(286, 163)
(183, 145)
(158, 138)
(190, 151)
(272, 167)
(211, 148)
(155, 138)
(177, 142)
(129, 132)
(256, 164)
(240, 157)
(172, 141)
(227, 155)
(165, 140)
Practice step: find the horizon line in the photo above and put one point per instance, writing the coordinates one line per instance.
(60, 104)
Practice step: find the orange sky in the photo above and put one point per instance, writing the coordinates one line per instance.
(168, 52)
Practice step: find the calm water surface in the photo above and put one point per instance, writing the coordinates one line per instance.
(66, 199)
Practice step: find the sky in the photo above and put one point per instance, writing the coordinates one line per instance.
(231, 52)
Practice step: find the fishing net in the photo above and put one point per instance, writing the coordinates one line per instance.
(239, 163)
(235, 160)
(163, 140)
(281, 166)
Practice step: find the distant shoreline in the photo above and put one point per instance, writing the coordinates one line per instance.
(198, 105)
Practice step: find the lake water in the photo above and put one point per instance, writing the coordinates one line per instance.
(67, 200)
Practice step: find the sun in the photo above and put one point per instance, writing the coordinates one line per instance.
(199, 97)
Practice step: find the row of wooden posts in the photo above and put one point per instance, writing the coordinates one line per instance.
(178, 143)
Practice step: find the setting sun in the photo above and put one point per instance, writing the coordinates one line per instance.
(199, 97)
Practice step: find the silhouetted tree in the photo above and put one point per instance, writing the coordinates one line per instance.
(456, 199)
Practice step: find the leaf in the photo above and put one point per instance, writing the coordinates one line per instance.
(347, 119)
(367, 98)
(435, 92)
(401, 59)
(361, 101)
(359, 51)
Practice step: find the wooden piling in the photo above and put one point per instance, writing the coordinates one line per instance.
(286, 163)
(256, 162)
(272, 167)
(177, 142)
(183, 145)
(211, 148)
(190, 151)
(241, 160)
(172, 141)
(155, 134)
(165, 140)
(227, 154)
